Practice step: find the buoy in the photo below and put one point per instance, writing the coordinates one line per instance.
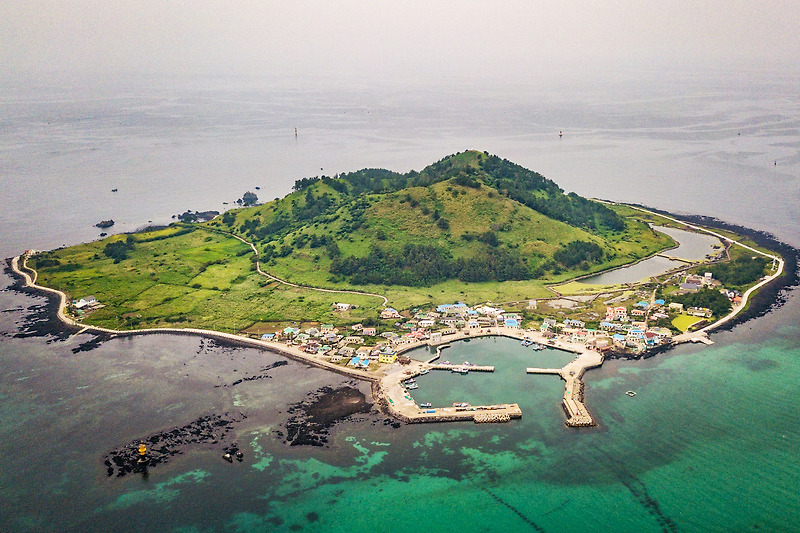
(142, 452)
(228, 457)
(295, 132)
(560, 134)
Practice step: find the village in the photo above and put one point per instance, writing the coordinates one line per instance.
(630, 329)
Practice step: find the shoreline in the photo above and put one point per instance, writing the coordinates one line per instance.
(387, 390)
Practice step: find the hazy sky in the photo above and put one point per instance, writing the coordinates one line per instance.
(402, 38)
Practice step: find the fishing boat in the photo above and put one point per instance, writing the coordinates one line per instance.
(527, 342)
(424, 372)
(459, 370)
(426, 405)
(467, 363)
(631, 393)
(412, 386)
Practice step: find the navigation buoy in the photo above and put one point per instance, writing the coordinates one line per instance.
(142, 453)
(295, 132)
(560, 134)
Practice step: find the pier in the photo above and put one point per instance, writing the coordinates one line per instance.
(471, 368)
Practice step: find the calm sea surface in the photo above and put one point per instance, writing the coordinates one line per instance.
(709, 443)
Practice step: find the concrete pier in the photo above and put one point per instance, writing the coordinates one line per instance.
(471, 368)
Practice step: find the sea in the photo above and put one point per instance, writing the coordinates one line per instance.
(709, 442)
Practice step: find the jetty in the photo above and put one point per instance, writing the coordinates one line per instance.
(577, 413)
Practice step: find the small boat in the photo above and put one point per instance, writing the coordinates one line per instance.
(412, 386)
(631, 393)
(467, 363)
(426, 405)
(424, 372)
(460, 404)
(527, 342)
(114, 190)
(459, 370)
(445, 363)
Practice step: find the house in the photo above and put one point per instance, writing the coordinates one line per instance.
(690, 287)
(699, 311)
(353, 339)
(473, 324)
(607, 325)
(356, 327)
(86, 301)
(675, 306)
(578, 337)
(619, 339)
(390, 312)
(573, 323)
(335, 358)
(638, 312)
(659, 303)
(513, 316)
(312, 332)
(427, 323)
(363, 352)
(547, 324)
(387, 358)
(436, 337)
(642, 304)
(328, 328)
(290, 332)
(452, 309)
(268, 337)
(340, 306)
(616, 313)
(369, 332)
(448, 331)
(346, 351)
(511, 323)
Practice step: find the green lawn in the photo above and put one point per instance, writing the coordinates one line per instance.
(684, 322)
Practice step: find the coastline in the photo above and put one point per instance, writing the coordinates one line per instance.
(386, 384)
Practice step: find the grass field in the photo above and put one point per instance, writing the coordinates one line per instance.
(684, 322)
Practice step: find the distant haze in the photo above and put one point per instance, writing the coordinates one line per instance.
(404, 39)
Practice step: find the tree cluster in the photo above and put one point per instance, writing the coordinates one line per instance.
(708, 298)
(577, 252)
(741, 271)
(423, 265)
(118, 250)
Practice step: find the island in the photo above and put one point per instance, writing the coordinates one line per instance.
(352, 272)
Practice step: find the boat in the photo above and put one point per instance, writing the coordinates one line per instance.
(459, 370)
(467, 363)
(527, 342)
(460, 404)
(424, 372)
(631, 393)
(445, 363)
(412, 386)
(426, 405)
(537, 346)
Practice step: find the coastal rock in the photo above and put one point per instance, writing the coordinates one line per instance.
(105, 223)
(163, 446)
(310, 421)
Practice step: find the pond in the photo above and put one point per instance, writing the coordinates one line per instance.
(691, 245)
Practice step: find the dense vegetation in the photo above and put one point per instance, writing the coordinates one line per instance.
(422, 265)
(740, 272)
(579, 252)
(708, 298)
(118, 250)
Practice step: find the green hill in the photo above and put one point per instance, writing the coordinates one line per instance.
(470, 217)
(471, 227)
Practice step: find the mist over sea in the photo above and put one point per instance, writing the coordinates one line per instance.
(709, 443)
